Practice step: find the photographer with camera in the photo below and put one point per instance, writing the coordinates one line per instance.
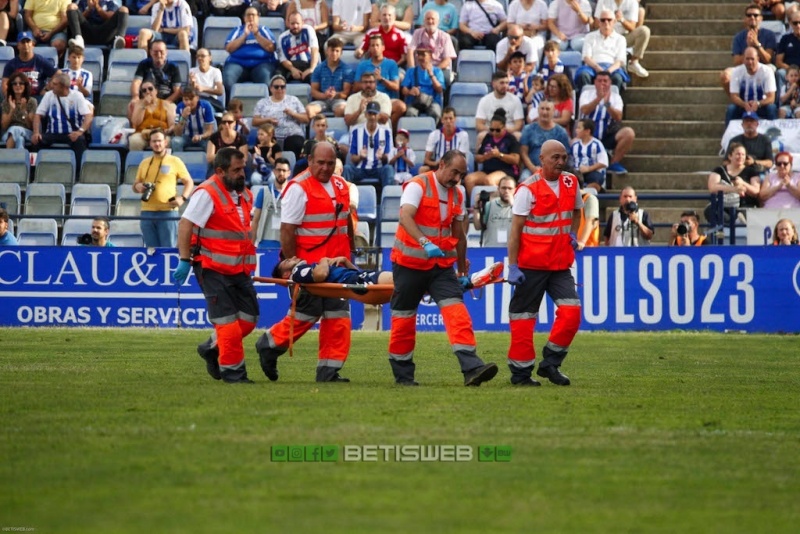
(492, 216)
(99, 235)
(630, 224)
(157, 181)
(685, 234)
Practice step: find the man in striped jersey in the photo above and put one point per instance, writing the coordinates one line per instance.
(170, 21)
(588, 155)
(752, 88)
(371, 146)
(604, 107)
(298, 50)
(195, 122)
(69, 116)
(440, 142)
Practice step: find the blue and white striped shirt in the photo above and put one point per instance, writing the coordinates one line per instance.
(75, 105)
(601, 117)
(297, 47)
(377, 144)
(195, 125)
(589, 154)
(86, 78)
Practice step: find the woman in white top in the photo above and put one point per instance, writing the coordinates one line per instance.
(207, 80)
(530, 14)
(285, 112)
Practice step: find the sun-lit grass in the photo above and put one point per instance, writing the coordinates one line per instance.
(123, 431)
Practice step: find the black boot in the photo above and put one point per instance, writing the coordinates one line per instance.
(268, 357)
(404, 372)
(330, 374)
(209, 351)
(236, 376)
(521, 376)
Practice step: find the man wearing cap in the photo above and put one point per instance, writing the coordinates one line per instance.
(371, 147)
(752, 88)
(36, 68)
(758, 146)
(47, 21)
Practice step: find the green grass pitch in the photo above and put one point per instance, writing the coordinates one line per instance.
(107, 431)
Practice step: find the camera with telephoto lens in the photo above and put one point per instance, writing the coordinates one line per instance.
(148, 191)
(483, 199)
(683, 228)
(632, 207)
(85, 239)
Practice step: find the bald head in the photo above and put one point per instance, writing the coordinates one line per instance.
(553, 158)
(322, 161)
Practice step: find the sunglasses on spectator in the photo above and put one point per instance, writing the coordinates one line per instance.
(279, 87)
(495, 130)
(606, 20)
(795, 22)
(148, 89)
(782, 163)
(227, 122)
(514, 37)
(17, 83)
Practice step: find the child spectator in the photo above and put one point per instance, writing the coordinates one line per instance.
(236, 107)
(551, 64)
(517, 75)
(588, 155)
(533, 95)
(404, 158)
(80, 79)
(790, 99)
(264, 154)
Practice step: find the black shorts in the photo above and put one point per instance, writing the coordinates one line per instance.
(227, 297)
(610, 137)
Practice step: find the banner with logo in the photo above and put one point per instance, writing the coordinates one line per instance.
(753, 289)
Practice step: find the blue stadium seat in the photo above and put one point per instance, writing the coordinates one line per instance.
(181, 58)
(47, 52)
(217, 29)
(15, 166)
(132, 161)
(129, 202)
(45, 199)
(418, 130)
(91, 199)
(467, 123)
(390, 203)
(249, 94)
(11, 197)
(475, 65)
(101, 167)
(218, 57)
(37, 232)
(464, 97)
(115, 97)
(136, 23)
(275, 24)
(367, 203)
(55, 165)
(195, 163)
(301, 90)
(126, 234)
(73, 229)
(94, 62)
(6, 55)
(122, 64)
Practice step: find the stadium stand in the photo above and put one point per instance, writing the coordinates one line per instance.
(15, 166)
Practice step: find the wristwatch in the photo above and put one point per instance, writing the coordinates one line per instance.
(424, 241)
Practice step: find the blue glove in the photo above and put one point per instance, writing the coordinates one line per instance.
(182, 272)
(432, 251)
(573, 240)
(465, 282)
(515, 276)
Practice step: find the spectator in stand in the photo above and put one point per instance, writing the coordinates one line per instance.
(351, 20)
(551, 63)
(517, 41)
(499, 152)
(691, 238)
(69, 117)
(753, 35)
(758, 146)
(314, 13)
(195, 124)
(285, 112)
(99, 234)
(626, 14)
(236, 107)
(226, 136)
(331, 82)
(36, 68)
(423, 87)
(150, 113)
(252, 52)
(752, 88)
(387, 75)
(404, 159)
(493, 218)
(270, 8)
(228, 8)
(404, 12)
(627, 227)
(604, 107)
(440, 142)
(8, 20)
(432, 37)
(781, 188)
(499, 98)
(531, 15)
(47, 22)
(482, 24)
(355, 108)
(18, 110)
(785, 233)
(7, 239)
(588, 155)
(534, 94)
(559, 92)
(163, 74)
(790, 96)
(97, 22)
(267, 207)
(518, 77)
(81, 80)
(170, 21)
(788, 53)
(207, 80)
(448, 17)
(569, 21)
(396, 42)
(298, 50)
(535, 135)
(775, 7)
(265, 153)
(604, 50)
(738, 182)
(371, 146)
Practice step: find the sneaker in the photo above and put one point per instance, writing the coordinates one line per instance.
(634, 67)
(119, 42)
(77, 42)
(488, 275)
(617, 168)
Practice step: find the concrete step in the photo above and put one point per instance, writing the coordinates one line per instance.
(688, 95)
(694, 11)
(662, 181)
(692, 43)
(678, 78)
(679, 112)
(703, 146)
(688, 129)
(675, 163)
(671, 60)
(695, 26)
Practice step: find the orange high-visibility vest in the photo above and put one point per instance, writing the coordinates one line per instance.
(545, 243)
(224, 244)
(321, 217)
(407, 251)
(594, 237)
